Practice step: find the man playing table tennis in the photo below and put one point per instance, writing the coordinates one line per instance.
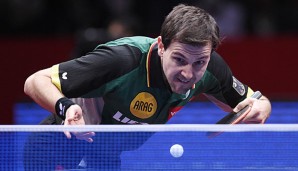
(146, 81)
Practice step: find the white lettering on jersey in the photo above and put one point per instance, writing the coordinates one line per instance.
(119, 117)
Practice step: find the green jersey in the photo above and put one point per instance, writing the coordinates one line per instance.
(127, 74)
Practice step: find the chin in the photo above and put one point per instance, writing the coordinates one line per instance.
(181, 91)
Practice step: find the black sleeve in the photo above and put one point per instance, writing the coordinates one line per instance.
(104, 64)
(226, 88)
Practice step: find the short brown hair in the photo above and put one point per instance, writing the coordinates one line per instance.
(190, 25)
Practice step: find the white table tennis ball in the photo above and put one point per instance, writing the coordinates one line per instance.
(176, 150)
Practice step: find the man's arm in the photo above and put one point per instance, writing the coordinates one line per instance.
(40, 88)
(229, 93)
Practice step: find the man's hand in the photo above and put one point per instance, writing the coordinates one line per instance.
(258, 112)
(74, 116)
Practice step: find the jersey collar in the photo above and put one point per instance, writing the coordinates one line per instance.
(155, 75)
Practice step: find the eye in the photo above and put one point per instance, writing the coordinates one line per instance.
(179, 61)
(199, 63)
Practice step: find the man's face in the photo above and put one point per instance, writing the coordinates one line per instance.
(183, 64)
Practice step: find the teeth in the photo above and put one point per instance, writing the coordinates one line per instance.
(184, 81)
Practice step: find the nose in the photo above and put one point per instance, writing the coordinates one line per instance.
(187, 72)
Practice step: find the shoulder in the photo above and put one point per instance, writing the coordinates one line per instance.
(216, 62)
(218, 75)
(125, 53)
(218, 67)
(221, 82)
(141, 42)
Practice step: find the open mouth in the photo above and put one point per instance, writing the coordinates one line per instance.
(185, 81)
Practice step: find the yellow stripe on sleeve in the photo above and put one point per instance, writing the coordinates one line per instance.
(250, 92)
(55, 76)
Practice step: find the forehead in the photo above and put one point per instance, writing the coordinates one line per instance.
(183, 48)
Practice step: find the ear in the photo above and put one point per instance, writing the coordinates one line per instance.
(160, 46)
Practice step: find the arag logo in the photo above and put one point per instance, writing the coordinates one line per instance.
(143, 105)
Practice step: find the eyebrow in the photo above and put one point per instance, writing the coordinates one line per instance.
(181, 55)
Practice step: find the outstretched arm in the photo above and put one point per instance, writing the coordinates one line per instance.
(40, 88)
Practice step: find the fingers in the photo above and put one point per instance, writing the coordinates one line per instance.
(252, 115)
(259, 110)
(246, 102)
(254, 119)
(87, 136)
(244, 114)
(81, 136)
(74, 116)
(67, 134)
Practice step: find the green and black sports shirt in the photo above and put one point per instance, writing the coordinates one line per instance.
(127, 74)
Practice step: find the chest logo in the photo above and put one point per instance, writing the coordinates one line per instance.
(143, 106)
(64, 76)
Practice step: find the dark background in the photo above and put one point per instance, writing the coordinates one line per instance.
(260, 38)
